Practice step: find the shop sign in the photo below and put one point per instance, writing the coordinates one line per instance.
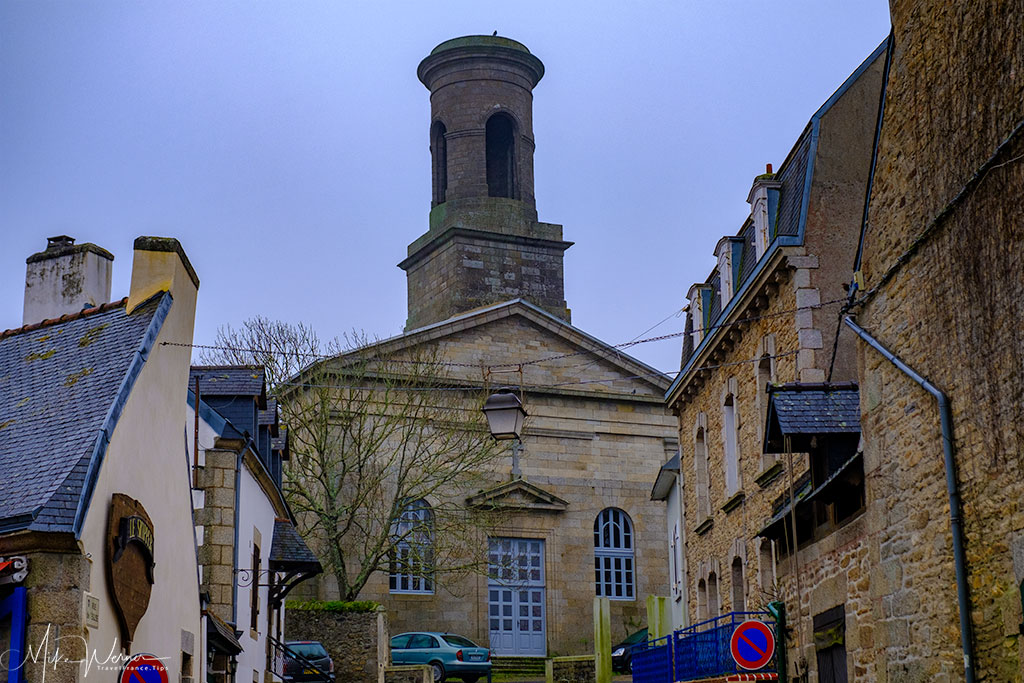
(130, 551)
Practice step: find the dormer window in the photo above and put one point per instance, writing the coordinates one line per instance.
(764, 201)
(723, 252)
(697, 312)
(729, 252)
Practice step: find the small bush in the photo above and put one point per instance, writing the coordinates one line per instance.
(332, 605)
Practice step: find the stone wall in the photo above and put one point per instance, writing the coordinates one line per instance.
(571, 670)
(217, 517)
(464, 271)
(412, 673)
(55, 583)
(942, 264)
(358, 642)
(713, 542)
(767, 321)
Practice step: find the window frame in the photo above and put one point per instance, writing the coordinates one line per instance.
(411, 559)
(614, 555)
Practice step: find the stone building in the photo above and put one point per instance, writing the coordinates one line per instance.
(486, 289)
(97, 554)
(760, 327)
(940, 289)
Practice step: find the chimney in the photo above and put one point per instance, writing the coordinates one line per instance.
(159, 265)
(65, 278)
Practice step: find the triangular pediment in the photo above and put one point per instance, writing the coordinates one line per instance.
(517, 494)
(551, 353)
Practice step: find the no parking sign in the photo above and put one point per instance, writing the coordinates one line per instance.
(143, 668)
(752, 645)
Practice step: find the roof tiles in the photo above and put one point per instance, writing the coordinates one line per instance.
(816, 408)
(58, 382)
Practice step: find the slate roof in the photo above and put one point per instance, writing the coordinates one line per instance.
(803, 410)
(288, 549)
(793, 176)
(218, 630)
(229, 380)
(269, 416)
(61, 383)
(816, 408)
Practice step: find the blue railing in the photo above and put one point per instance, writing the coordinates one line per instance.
(696, 651)
(652, 661)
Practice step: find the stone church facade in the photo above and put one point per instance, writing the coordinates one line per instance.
(486, 289)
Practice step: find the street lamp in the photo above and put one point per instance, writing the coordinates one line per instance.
(505, 415)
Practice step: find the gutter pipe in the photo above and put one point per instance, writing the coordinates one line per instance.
(959, 557)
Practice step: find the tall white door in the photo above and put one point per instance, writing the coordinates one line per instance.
(516, 601)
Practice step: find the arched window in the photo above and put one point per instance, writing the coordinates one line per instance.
(412, 555)
(739, 597)
(766, 560)
(765, 373)
(439, 156)
(501, 158)
(613, 555)
(713, 609)
(703, 478)
(730, 440)
(702, 600)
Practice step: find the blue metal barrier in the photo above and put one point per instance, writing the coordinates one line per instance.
(696, 651)
(652, 661)
(704, 649)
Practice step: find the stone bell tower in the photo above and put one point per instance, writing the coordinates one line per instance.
(485, 244)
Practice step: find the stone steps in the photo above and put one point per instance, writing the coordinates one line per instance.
(519, 666)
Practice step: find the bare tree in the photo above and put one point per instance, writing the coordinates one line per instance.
(282, 349)
(385, 448)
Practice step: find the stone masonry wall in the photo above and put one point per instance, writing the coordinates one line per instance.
(413, 673)
(55, 583)
(951, 309)
(217, 517)
(572, 670)
(351, 638)
(730, 533)
(469, 272)
(833, 569)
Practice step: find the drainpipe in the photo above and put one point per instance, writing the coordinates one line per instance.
(959, 557)
(778, 610)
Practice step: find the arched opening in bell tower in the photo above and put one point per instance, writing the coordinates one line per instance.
(501, 158)
(439, 157)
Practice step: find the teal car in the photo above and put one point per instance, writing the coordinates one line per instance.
(448, 655)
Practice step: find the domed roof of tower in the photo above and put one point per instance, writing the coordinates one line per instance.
(470, 52)
(479, 41)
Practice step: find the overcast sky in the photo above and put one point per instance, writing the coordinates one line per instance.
(285, 142)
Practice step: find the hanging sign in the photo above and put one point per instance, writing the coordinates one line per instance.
(752, 645)
(129, 561)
